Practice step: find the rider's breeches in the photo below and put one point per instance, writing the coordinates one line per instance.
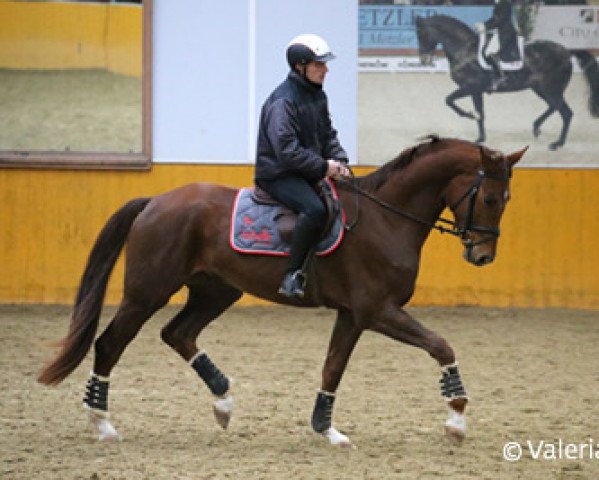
(297, 194)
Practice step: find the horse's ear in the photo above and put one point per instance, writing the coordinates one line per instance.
(490, 159)
(513, 158)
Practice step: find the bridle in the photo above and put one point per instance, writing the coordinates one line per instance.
(470, 194)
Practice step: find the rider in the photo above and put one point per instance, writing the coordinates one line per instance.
(297, 147)
(503, 20)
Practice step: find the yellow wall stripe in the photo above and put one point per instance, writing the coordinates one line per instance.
(547, 253)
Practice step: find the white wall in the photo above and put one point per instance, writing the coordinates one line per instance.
(216, 62)
(575, 27)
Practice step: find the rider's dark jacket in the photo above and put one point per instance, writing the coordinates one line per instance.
(503, 21)
(295, 135)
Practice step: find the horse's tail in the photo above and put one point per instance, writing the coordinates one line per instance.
(589, 65)
(92, 288)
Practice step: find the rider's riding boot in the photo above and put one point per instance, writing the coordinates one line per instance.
(498, 75)
(304, 236)
(497, 82)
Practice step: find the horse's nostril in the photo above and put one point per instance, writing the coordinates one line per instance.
(484, 260)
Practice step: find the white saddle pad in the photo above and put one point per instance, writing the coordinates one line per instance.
(493, 47)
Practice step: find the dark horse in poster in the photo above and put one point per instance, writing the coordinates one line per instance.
(547, 70)
(181, 238)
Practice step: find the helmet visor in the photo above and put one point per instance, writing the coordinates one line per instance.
(325, 57)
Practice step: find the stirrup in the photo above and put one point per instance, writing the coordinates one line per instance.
(293, 285)
(496, 83)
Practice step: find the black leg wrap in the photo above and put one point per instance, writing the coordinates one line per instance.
(96, 393)
(323, 412)
(217, 382)
(451, 383)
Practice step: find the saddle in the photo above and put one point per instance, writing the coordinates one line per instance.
(261, 225)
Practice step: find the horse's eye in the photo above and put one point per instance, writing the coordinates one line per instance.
(490, 200)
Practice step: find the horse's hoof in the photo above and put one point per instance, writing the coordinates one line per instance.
(555, 145)
(536, 132)
(223, 409)
(337, 439)
(454, 435)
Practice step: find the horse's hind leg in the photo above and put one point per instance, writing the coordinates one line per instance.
(128, 320)
(399, 325)
(554, 102)
(343, 339)
(566, 113)
(208, 298)
(536, 126)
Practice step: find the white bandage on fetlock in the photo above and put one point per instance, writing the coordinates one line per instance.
(225, 404)
(223, 410)
(99, 419)
(96, 404)
(456, 420)
(335, 437)
(454, 393)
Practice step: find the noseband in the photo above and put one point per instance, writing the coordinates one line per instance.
(454, 228)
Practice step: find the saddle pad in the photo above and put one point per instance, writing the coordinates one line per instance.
(254, 228)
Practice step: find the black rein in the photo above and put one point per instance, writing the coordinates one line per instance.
(454, 228)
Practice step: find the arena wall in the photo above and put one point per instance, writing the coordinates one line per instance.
(40, 35)
(547, 255)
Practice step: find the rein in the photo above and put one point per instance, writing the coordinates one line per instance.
(453, 229)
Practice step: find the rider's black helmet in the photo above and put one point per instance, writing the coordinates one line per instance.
(307, 48)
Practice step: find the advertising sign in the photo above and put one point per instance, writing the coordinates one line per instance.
(573, 27)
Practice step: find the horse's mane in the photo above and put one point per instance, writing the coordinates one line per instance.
(452, 23)
(373, 181)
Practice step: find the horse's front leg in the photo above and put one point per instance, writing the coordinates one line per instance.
(477, 101)
(456, 95)
(343, 339)
(478, 115)
(399, 325)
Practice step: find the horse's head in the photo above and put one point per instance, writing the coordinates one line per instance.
(478, 201)
(453, 35)
(427, 40)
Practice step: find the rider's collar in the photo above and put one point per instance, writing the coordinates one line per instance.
(304, 82)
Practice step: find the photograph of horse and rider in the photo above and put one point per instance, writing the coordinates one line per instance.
(240, 247)
(506, 69)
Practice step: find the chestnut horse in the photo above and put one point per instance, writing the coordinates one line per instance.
(182, 238)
